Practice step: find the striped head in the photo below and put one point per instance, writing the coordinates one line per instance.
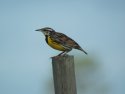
(46, 30)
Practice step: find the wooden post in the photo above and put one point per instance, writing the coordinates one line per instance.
(64, 75)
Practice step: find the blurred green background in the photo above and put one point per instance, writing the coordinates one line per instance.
(97, 25)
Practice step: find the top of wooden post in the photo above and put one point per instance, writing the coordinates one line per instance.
(62, 58)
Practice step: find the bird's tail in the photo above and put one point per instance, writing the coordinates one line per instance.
(83, 50)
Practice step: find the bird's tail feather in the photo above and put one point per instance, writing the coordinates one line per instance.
(83, 51)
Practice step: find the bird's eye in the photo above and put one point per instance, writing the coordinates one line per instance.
(45, 30)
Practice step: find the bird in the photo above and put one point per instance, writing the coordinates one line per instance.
(59, 41)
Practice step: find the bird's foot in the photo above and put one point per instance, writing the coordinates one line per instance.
(60, 55)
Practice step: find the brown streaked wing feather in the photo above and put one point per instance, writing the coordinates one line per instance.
(57, 37)
(64, 40)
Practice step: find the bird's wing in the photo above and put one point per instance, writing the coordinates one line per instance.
(64, 40)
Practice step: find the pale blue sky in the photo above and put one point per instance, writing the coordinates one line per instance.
(97, 25)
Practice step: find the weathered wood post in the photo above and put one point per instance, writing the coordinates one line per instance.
(64, 75)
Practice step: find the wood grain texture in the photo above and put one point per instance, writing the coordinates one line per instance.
(64, 75)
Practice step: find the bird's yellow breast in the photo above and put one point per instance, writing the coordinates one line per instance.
(55, 45)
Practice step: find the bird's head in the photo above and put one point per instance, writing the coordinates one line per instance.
(46, 30)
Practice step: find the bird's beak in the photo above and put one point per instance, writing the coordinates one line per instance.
(38, 30)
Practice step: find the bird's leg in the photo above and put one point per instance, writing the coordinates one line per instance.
(64, 53)
(61, 54)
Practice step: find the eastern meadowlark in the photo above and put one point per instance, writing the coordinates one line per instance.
(59, 41)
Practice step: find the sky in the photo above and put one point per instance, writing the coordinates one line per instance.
(25, 64)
